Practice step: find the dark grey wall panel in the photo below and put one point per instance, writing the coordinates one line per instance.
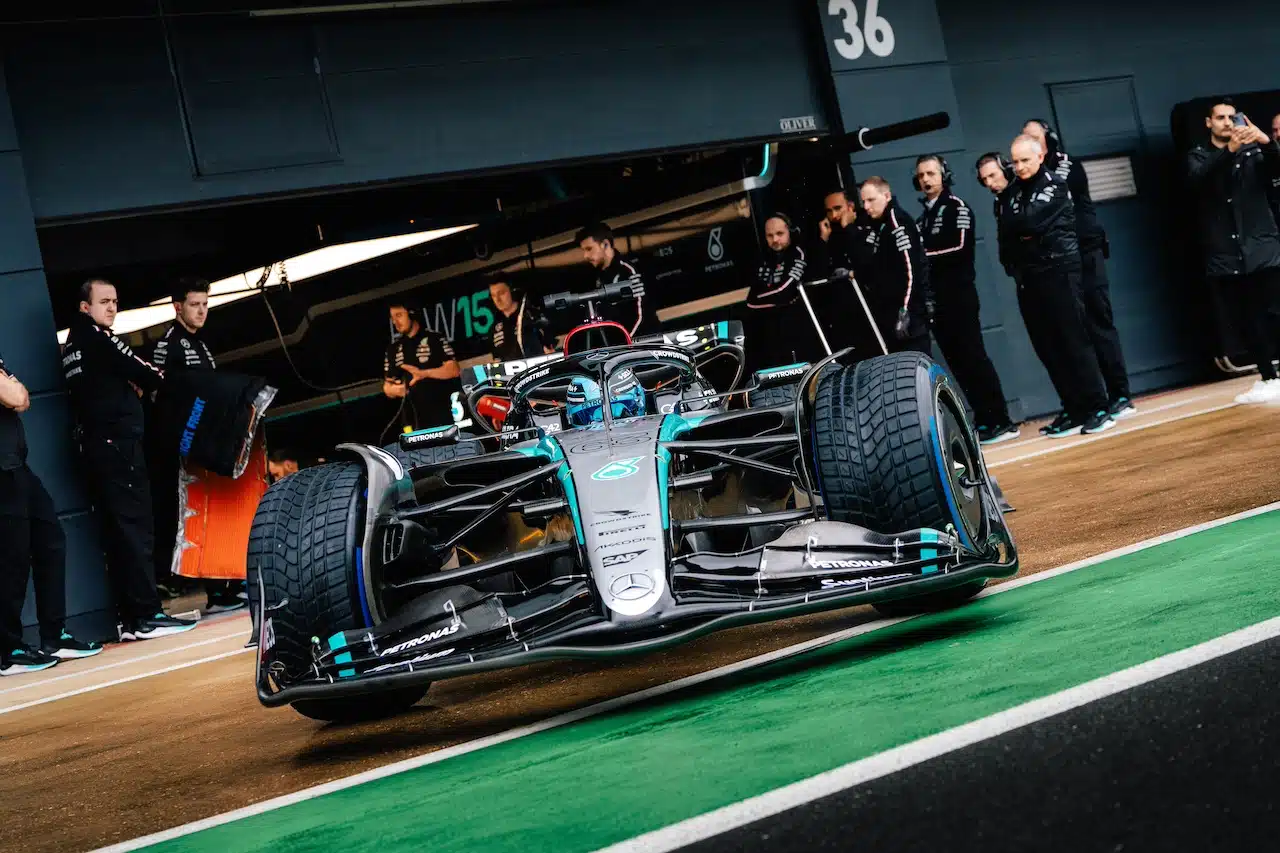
(18, 243)
(447, 90)
(49, 425)
(90, 611)
(886, 95)
(28, 337)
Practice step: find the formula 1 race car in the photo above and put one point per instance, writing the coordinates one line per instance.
(621, 503)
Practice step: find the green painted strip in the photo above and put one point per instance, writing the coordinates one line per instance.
(584, 786)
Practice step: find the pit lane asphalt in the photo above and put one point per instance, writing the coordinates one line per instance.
(1188, 762)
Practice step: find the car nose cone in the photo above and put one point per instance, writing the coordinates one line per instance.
(631, 586)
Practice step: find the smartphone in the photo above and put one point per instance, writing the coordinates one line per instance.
(1238, 120)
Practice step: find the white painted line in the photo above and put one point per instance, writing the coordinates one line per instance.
(627, 700)
(894, 760)
(93, 687)
(1061, 444)
(80, 673)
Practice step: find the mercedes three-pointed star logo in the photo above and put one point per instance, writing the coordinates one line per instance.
(631, 586)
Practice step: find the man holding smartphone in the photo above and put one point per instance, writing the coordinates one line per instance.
(1231, 175)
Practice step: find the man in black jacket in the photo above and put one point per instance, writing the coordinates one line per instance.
(181, 348)
(600, 251)
(1038, 230)
(105, 380)
(895, 278)
(516, 331)
(841, 251)
(1230, 177)
(1095, 288)
(780, 328)
(31, 544)
(946, 228)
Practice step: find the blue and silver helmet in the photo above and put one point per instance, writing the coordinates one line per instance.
(584, 402)
(626, 395)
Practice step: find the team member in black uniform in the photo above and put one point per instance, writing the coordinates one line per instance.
(1274, 193)
(516, 332)
(1095, 288)
(106, 379)
(182, 348)
(946, 228)
(842, 252)
(31, 543)
(1230, 177)
(419, 369)
(780, 330)
(1038, 233)
(895, 280)
(599, 250)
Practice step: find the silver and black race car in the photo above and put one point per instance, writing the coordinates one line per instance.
(619, 502)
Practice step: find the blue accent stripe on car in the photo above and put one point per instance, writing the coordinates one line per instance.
(722, 328)
(927, 535)
(364, 596)
(934, 372)
(346, 673)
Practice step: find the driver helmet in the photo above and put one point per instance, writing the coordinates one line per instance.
(626, 395)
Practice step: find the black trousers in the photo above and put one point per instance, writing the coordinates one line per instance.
(1099, 322)
(957, 327)
(31, 542)
(1254, 303)
(121, 492)
(1050, 305)
(781, 335)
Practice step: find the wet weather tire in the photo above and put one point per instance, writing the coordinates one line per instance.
(892, 451)
(763, 398)
(433, 455)
(303, 546)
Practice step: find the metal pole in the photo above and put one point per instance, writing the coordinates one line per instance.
(826, 347)
(884, 350)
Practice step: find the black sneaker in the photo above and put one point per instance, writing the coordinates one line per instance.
(1056, 424)
(68, 647)
(1063, 427)
(224, 602)
(1122, 407)
(997, 434)
(25, 659)
(1099, 421)
(160, 625)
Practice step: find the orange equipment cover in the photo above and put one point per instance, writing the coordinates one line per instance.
(218, 512)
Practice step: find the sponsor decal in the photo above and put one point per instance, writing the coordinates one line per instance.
(678, 356)
(426, 656)
(848, 564)
(189, 431)
(631, 513)
(428, 637)
(618, 469)
(784, 373)
(631, 586)
(620, 559)
(798, 124)
(625, 542)
(715, 244)
(836, 583)
(620, 530)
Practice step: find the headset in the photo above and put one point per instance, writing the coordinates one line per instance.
(1005, 165)
(947, 176)
(792, 231)
(1050, 135)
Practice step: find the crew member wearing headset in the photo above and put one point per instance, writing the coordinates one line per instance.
(419, 369)
(516, 331)
(1095, 288)
(946, 229)
(780, 329)
(896, 279)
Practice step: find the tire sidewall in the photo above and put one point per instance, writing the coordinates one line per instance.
(936, 386)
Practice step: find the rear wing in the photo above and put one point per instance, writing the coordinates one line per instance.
(697, 340)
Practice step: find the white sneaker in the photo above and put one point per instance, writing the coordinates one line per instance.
(1263, 391)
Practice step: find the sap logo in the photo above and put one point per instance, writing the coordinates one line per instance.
(619, 559)
(848, 564)
(425, 638)
(618, 469)
(422, 658)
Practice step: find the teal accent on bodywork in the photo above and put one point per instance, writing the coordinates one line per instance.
(927, 535)
(722, 327)
(548, 448)
(764, 170)
(345, 657)
(430, 430)
(337, 641)
(772, 370)
(672, 426)
(346, 673)
(479, 371)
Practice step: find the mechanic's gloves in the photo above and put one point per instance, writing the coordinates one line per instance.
(841, 272)
(903, 327)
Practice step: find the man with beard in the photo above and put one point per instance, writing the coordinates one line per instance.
(841, 255)
(1230, 176)
(780, 329)
(1095, 288)
(946, 227)
(600, 252)
(516, 333)
(1039, 237)
(895, 275)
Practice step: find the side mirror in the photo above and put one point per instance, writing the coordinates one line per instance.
(771, 377)
(428, 437)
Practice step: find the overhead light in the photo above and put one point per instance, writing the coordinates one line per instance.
(300, 268)
(361, 7)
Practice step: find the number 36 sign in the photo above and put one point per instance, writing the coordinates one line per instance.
(878, 33)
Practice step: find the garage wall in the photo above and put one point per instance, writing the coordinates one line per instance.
(118, 115)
